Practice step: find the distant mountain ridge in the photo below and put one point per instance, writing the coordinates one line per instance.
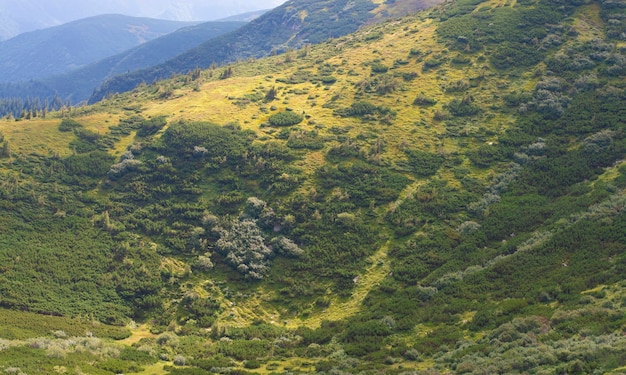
(17, 17)
(57, 50)
(79, 84)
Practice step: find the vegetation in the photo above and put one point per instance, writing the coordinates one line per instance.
(469, 221)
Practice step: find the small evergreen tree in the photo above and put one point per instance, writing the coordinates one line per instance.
(271, 94)
(6, 149)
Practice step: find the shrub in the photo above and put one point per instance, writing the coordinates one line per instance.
(244, 248)
(68, 125)
(364, 110)
(252, 364)
(152, 126)
(180, 360)
(379, 68)
(220, 141)
(463, 107)
(423, 100)
(287, 118)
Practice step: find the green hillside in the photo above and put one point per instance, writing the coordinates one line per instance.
(438, 193)
(290, 26)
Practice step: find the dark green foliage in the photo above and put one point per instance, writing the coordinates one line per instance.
(31, 97)
(446, 336)
(72, 282)
(380, 84)
(226, 73)
(151, 126)
(6, 149)
(186, 371)
(423, 100)
(219, 141)
(378, 67)
(365, 110)
(463, 107)
(92, 164)
(514, 32)
(431, 63)
(363, 182)
(488, 154)
(515, 55)
(365, 337)
(215, 361)
(68, 125)
(287, 118)
(118, 366)
(306, 140)
(424, 163)
(244, 350)
(20, 325)
(252, 364)
(514, 214)
(86, 140)
(328, 80)
(271, 94)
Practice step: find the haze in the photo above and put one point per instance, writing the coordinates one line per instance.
(26, 15)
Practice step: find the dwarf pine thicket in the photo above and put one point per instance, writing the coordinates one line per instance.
(453, 205)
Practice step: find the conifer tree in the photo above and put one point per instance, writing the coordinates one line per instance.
(6, 149)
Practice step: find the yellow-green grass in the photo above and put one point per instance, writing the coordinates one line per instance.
(137, 334)
(155, 369)
(588, 23)
(37, 136)
(374, 273)
(42, 136)
(495, 4)
(25, 325)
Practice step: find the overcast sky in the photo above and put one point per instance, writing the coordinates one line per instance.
(17, 16)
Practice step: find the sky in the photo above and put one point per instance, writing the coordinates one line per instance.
(17, 16)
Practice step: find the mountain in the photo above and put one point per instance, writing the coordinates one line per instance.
(56, 50)
(291, 25)
(78, 85)
(439, 193)
(22, 16)
(245, 17)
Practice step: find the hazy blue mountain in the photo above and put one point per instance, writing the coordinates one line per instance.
(26, 15)
(79, 84)
(245, 17)
(63, 48)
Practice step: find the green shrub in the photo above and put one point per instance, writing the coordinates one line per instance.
(152, 126)
(287, 118)
(424, 100)
(252, 364)
(68, 125)
(379, 68)
(463, 107)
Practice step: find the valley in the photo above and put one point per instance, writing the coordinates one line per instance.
(441, 192)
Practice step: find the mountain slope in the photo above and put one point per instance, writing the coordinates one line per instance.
(440, 193)
(79, 84)
(293, 24)
(63, 48)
